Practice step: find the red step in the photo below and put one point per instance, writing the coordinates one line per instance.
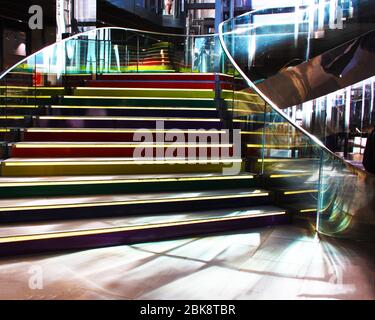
(109, 150)
(88, 136)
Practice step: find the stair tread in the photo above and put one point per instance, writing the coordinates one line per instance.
(17, 181)
(95, 200)
(154, 220)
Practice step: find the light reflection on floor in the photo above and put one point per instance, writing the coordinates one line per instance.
(285, 262)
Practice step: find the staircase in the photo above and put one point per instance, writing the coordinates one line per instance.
(75, 178)
(71, 180)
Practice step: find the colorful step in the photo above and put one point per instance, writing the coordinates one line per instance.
(76, 207)
(94, 166)
(118, 149)
(127, 122)
(114, 184)
(26, 238)
(110, 134)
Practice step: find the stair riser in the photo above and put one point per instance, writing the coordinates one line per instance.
(135, 112)
(277, 166)
(22, 90)
(158, 85)
(129, 209)
(210, 94)
(18, 111)
(77, 101)
(91, 136)
(123, 188)
(287, 181)
(16, 122)
(111, 152)
(78, 123)
(79, 169)
(137, 236)
(309, 199)
(162, 77)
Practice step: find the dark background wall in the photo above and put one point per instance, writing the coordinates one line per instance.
(16, 38)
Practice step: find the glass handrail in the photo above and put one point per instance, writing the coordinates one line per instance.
(289, 151)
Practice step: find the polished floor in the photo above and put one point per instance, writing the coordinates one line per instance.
(284, 262)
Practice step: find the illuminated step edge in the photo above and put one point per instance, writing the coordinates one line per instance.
(33, 182)
(113, 161)
(12, 117)
(139, 89)
(105, 130)
(287, 159)
(295, 192)
(308, 210)
(277, 146)
(120, 118)
(104, 145)
(135, 201)
(138, 98)
(291, 174)
(25, 96)
(270, 133)
(32, 88)
(132, 108)
(191, 224)
(179, 74)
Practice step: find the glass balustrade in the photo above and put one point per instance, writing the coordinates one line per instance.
(305, 176)
(259, 44)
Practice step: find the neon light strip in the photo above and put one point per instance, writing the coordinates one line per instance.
(267, 133)
(126, 118)
(131, 162)
(22, 145)
(287, 175)
(300, 191)
(120, 130)
(138, 98)
(138, 89)
(12, 117)
(134, 108)
(286, 159)
(23, 96)
(245, 111)
(275, 146)
(32, 88)
(308, 210)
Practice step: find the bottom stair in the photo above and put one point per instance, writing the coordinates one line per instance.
(36, 237)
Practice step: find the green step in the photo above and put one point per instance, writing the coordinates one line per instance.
(81, 185)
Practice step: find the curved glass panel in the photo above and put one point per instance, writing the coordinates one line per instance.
(42, 78)
(320, 181)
